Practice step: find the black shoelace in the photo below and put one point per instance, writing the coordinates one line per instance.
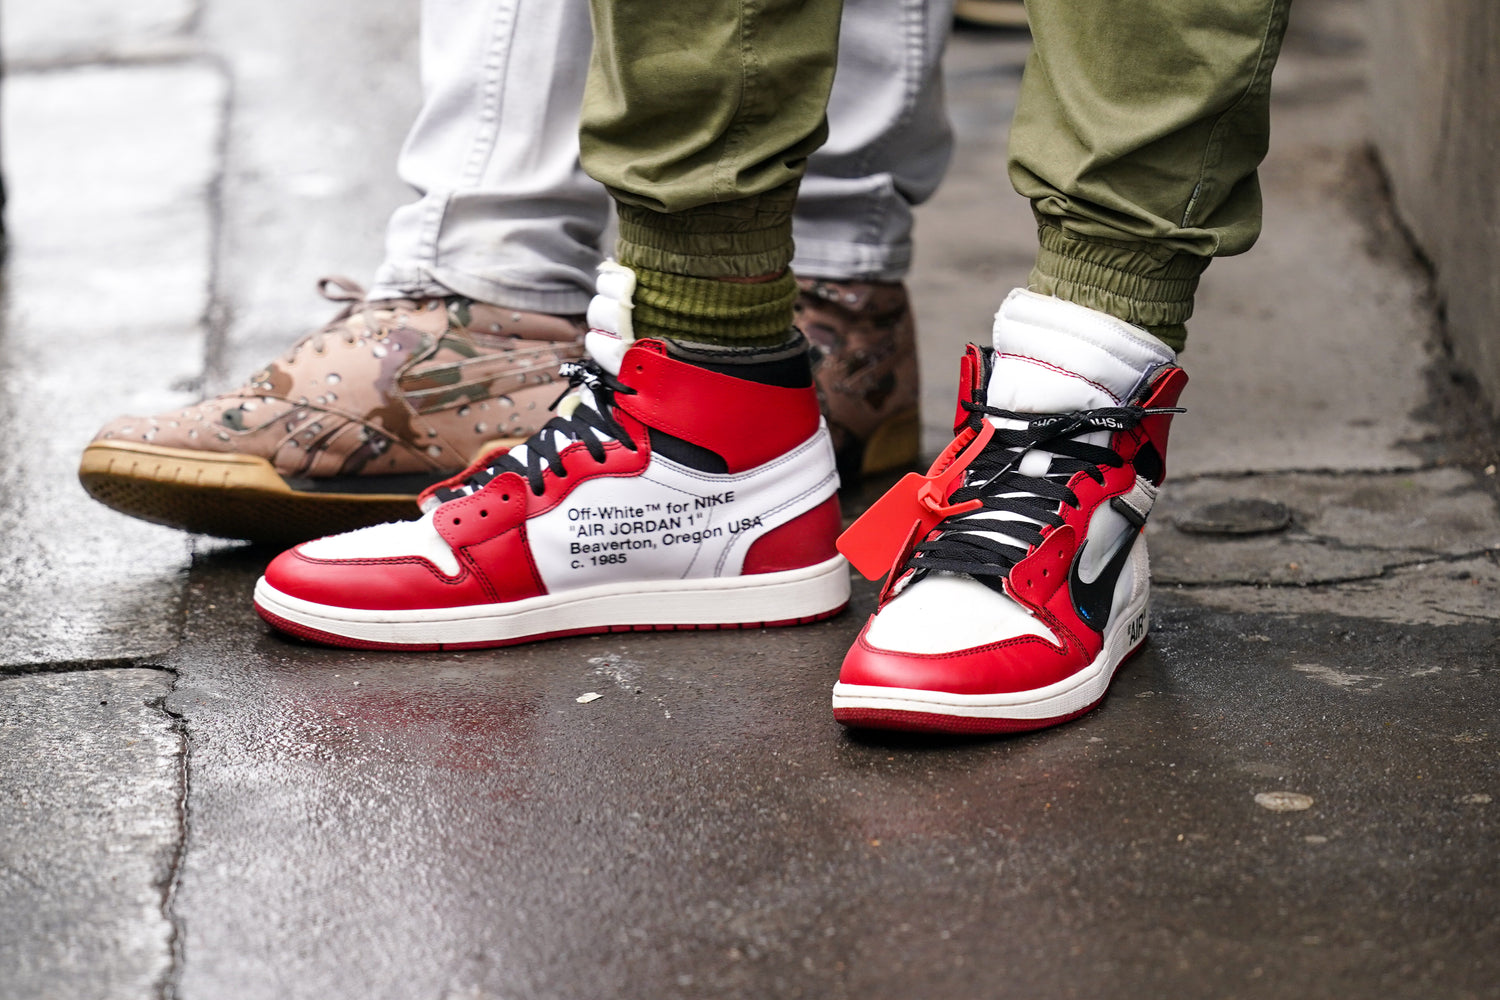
(987, 547)
(590, 422)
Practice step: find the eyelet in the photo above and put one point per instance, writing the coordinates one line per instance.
(505, 498)
(484, 513)
(457, 522)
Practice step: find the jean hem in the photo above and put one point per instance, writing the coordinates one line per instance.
(396, 283)
(834, 260)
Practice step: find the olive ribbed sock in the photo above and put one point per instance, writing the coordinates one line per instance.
(700, 273)
(711, 311)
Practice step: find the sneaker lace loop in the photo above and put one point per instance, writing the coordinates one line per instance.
(351, 294)
(590, 423)
(987, 542)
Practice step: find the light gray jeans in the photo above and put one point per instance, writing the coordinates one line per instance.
(506, 215)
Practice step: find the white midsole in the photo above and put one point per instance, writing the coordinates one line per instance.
(1072, 694)
(760, 597)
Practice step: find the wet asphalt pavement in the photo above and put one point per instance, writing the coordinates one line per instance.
(1290, 792)
(461, 825)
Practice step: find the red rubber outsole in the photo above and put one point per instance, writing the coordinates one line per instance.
(333, 639)
(936, 722)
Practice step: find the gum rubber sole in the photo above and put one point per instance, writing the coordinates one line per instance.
(895, 444)
(227, 495)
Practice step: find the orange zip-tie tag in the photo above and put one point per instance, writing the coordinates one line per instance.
(911, 508)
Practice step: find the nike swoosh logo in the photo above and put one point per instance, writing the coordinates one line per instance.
(1092, 599)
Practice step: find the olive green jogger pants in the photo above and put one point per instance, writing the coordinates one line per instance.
(1137, 136)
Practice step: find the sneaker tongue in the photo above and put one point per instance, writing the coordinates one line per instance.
(1053, 356)
(609, 337)
(610, 331)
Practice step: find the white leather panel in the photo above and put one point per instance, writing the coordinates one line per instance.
(388, 541)
(673, 522)
(945, 612)
(1110, 353)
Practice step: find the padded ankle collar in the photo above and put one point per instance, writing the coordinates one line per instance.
(749, 424)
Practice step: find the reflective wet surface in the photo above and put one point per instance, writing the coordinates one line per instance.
(434, 825)
(1289, 792)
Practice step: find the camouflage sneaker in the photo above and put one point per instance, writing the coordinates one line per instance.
(867, 375)
(345, 429)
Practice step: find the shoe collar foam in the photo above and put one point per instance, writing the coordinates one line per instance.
(1053, 356)
(610, 335)
(610, 329)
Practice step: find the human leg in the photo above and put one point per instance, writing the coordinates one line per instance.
(451, 355)
(889, 144)
(1137, 137)
(506, 217)
(505, 214)
(688, 480)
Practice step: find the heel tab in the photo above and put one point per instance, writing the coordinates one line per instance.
(973, 381)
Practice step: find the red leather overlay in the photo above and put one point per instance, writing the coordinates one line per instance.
(504, 562)
(498, 507)
(971, 386)
(457, 479)
(579, 467)
(888, 589)
(745, 422)
(803, 541)
(1117, 481)
(1035, 579)
(1024, 663)
(405, 584)
(1164, 392)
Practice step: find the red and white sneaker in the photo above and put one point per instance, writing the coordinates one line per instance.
(1019, 579)
(663, 495)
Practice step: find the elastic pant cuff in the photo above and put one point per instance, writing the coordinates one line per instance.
(745, 238)
(1140, 284)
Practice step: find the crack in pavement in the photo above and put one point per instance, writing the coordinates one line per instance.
(1335, 544)
(1383, 573)
(167, 986)
(79, 666)
(1332, 473)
